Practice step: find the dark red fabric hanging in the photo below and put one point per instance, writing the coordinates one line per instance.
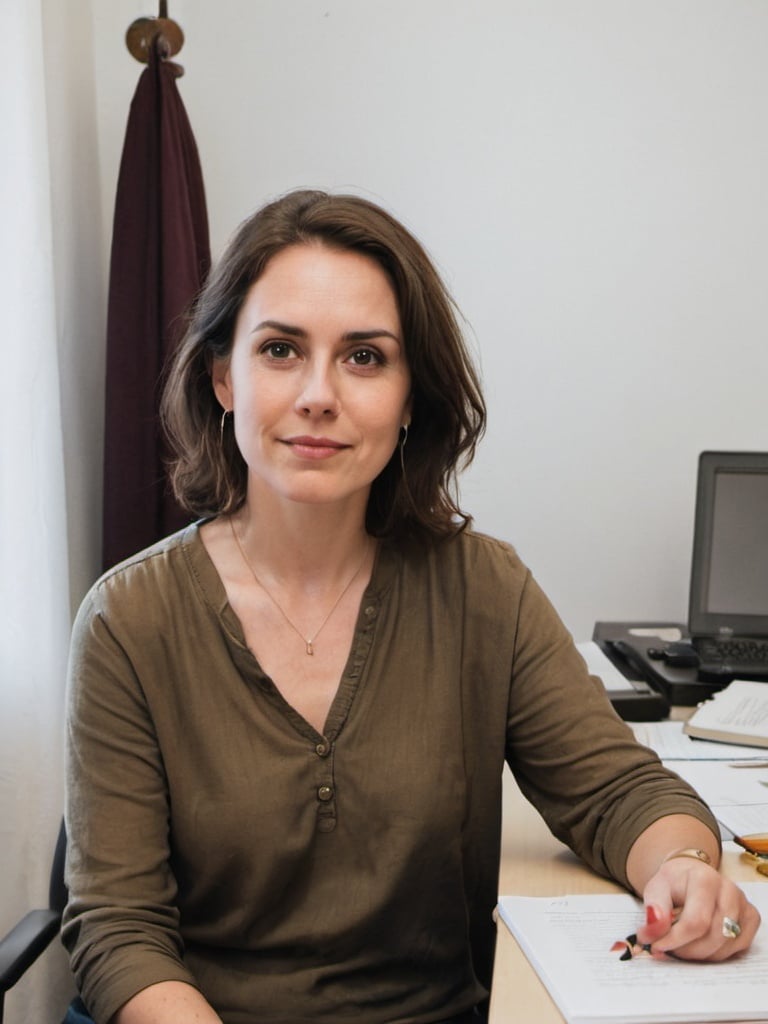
(160, 256)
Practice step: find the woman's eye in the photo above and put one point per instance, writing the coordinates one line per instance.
(365, 357)
(278, 349)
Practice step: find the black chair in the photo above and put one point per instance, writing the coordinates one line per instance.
(33, 934)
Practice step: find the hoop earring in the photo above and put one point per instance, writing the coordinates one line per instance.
(401, 446)
(403, 475)
(222, 424)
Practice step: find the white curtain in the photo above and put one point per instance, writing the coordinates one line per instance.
(34, 603)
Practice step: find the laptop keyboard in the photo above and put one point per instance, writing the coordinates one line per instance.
(751, 655)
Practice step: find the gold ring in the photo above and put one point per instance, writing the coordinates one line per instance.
(731, 928)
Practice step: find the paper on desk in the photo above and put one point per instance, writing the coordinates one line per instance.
(743, 820)
(669, 634)
(599, 664)
(720, 784)
(738, 797)
(671, 744)
(568, 941)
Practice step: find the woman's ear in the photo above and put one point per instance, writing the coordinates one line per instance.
(222, 383)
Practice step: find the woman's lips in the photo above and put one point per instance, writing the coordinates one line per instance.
(315, 447)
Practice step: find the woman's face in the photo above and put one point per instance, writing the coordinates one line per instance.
(317, 376)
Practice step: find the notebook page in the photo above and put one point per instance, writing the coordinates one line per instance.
(568, 940)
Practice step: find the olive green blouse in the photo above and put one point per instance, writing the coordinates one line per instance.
(216, 838)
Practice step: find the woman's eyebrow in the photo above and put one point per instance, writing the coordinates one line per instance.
(275, 325)
(376, 332)
(299, 332)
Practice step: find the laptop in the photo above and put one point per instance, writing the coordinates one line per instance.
(728, 606)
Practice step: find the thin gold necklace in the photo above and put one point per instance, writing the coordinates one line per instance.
(308, 641)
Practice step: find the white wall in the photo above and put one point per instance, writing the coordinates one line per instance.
(50, 59)
(81, 272)
(590, 177)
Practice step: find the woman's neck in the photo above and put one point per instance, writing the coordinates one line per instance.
(309, 542)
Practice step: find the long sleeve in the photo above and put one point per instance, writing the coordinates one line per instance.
(573, 757)
(123, 897)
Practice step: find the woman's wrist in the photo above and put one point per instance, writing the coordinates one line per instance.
(167, 1002)
(696, 853)
(669, 837)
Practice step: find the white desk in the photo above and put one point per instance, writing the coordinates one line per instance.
(534, 863)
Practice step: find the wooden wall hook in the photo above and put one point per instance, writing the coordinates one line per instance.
(143, 32)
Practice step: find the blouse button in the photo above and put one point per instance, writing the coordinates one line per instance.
(321, 749)
(325, 793)
(370, 611)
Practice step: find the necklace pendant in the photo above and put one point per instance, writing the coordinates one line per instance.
(310, 650)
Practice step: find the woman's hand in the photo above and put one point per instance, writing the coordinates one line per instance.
(694, 912)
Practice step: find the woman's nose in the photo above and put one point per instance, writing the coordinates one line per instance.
(318, 395)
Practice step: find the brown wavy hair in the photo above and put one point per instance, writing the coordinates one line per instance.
(207, 471)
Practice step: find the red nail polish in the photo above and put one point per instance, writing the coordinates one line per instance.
(652, 914)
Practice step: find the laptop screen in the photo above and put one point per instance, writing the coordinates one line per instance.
(729, 573)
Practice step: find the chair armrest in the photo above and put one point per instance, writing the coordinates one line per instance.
(24, 943)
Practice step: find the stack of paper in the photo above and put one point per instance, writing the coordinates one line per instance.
(732, 779)
(672, 743)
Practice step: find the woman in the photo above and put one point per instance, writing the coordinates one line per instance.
(288, 722)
